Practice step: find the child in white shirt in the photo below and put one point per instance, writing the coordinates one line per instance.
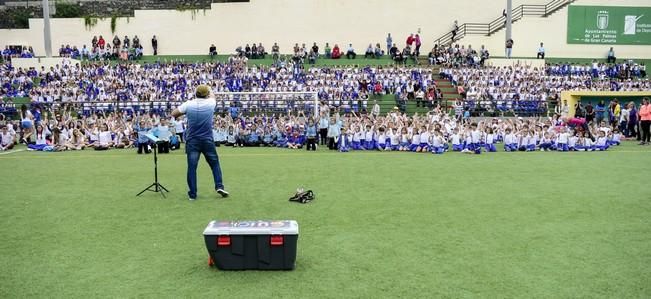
(573, 141)
(424, 141)
(415, 142)
(602, 142)
(457, 146)
(510, 141)
(489, 141)
(563, 140)
(394, 140)
(437, 143)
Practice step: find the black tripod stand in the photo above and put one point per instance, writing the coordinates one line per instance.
(156, 186)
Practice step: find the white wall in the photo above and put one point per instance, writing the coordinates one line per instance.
(228, 25)
(530, 31)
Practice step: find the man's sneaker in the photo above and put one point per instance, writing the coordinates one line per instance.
(191, 199)
(222, 192)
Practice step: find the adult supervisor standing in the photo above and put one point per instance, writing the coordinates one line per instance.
(199, 140)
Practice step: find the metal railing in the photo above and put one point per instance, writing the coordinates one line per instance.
(499, 23)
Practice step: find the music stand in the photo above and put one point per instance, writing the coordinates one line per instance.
(155, 186)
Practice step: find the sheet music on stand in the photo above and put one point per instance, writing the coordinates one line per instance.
(152, 138)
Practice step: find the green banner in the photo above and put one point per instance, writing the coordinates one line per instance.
(615, 25)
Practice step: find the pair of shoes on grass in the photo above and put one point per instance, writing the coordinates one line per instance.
(220, 191)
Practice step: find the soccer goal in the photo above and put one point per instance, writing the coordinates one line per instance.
(268, 102)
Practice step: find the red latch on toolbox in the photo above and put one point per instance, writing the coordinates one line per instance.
(277, 240)
(224, 241)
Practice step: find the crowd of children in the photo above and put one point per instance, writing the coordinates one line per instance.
(176, 81)
(341, 89)
(161, 84)
(523, 88)
(63, 132)
(436, 132)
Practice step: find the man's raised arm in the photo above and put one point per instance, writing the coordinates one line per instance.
(176, 113)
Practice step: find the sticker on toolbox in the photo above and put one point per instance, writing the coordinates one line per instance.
(254, 223)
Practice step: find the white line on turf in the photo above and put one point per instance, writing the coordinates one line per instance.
(11, 152)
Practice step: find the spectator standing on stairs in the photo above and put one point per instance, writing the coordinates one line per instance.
(504, 16)
(455, 28)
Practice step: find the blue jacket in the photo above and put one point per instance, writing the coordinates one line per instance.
(311, 131)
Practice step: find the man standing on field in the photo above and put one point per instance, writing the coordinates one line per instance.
(199, 138)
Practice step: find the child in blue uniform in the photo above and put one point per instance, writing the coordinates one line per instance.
(296, 140)
(404, 140)
(357, 139)
(475, 139)
(394, 140)
(562, 141)
(602, 142)
(489, 141)
(437, 146)
(381, 142)
(545, 142)
(615, 138)
(573, 141)
(162, 131)
(344, 141)
(415, 142)
(531, 141)
(424, 145)
(583, 144)
(510, 141)
(254, 138)
(143, 141)
(231, 137)
(267, 138)
(369, 138)
(457, 145)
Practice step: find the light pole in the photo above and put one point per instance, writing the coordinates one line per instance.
(47, 35)
(509, 20)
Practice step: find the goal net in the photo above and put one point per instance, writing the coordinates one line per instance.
(247, 103)
(268, 102)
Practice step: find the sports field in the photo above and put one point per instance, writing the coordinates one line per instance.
(384, 225)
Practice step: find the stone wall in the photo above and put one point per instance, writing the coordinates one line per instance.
(107, 8)
(18, 17)
(13, 13)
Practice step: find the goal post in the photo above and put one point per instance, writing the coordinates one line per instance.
(247, 103)
(269, 102)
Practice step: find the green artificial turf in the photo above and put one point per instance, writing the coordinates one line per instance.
(383, 225)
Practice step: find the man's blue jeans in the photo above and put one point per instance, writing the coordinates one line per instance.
(193, 149)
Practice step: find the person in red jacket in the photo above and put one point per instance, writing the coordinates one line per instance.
(336, 52)
(410, 39)
(101, 42)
